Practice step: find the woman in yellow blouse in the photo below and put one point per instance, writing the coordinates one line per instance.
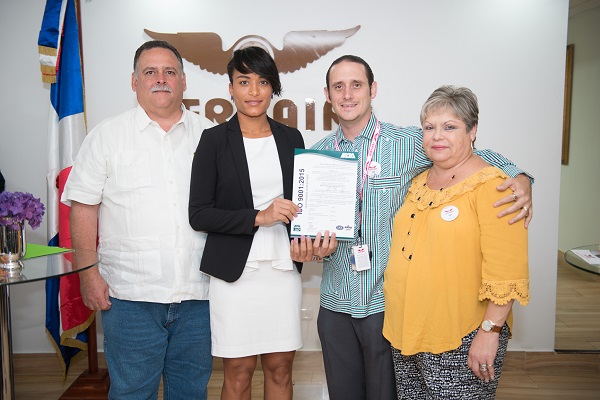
(455, 269)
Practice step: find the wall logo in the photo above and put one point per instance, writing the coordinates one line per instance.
(300, 48)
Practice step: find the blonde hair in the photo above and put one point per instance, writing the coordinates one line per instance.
(461, 100)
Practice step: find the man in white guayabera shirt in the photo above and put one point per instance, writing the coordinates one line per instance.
(130, 186)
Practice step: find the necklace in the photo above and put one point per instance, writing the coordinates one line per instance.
(413, 214)
(425, 191)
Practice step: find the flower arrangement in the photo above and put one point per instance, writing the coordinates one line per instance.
(18, 207)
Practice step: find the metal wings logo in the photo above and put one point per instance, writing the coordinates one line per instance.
(300, 48)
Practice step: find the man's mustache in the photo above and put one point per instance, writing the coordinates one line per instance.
(161, 88)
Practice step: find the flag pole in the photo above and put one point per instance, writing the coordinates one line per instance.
(92, 342)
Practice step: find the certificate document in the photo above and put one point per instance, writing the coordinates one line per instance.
(325, 193)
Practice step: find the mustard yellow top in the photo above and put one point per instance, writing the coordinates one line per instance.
(463, 255)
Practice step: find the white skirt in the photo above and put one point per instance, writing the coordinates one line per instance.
(257, 314)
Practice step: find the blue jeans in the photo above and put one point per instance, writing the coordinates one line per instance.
(144, 341)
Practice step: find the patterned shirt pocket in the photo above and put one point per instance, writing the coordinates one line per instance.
(387, 193)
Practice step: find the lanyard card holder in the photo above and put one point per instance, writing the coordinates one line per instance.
(360, 259)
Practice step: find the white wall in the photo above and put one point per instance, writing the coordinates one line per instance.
(579, 222)
(23, 151)
(511, 53)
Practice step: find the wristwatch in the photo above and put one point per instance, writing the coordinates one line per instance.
(488, 326)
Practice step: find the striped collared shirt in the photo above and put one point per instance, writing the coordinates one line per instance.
(400, 154)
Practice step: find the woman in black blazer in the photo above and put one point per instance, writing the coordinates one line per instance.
(240, 194)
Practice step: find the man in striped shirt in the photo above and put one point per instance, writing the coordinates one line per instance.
(357, 358)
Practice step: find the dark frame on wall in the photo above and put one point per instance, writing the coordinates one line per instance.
(567, 106)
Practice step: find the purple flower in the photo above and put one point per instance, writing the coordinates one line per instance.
(18, 207)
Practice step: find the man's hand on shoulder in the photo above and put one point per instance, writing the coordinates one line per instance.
(520, 196)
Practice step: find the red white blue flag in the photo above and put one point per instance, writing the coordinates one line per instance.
(60, 62)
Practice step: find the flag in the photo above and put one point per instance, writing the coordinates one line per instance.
(49, 39)
(60, 62)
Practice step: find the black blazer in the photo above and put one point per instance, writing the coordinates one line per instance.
(221, 194)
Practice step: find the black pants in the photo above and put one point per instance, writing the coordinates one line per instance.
(357, 358)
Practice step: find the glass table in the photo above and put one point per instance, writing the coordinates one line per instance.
(35, 269)
(573, 259)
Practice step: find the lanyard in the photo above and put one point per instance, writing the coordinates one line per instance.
(370, 153)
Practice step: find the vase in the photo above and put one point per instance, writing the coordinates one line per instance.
(12, 249)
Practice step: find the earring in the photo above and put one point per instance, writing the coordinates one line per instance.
(232, 100)
(472, 146)
(271, 97)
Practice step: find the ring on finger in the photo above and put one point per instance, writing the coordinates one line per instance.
(514, 196)
(526, 208)
(483, 367)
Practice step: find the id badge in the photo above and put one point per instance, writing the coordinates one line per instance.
(360, 258)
